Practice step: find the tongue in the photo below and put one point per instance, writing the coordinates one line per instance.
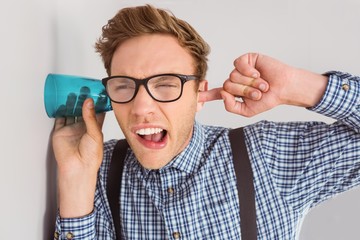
(154, 137)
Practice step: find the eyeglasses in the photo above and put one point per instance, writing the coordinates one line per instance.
(166, 87)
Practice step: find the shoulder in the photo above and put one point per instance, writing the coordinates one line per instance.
(216, 143)
(213, 133)
(271, 129)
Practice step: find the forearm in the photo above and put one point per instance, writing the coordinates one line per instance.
(307, 88)
(76, 193)
(87, 224)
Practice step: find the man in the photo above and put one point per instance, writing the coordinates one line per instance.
(178, 178)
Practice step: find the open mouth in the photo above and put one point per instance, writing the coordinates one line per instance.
(152, 134)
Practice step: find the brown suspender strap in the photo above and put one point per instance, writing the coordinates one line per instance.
(114, 183)
(245, 186)
(243, 173)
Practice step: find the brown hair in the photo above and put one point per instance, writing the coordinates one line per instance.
(135, 21)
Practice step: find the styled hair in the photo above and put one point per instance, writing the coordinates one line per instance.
(137, 21)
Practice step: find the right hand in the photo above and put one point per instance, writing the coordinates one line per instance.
(78, 149)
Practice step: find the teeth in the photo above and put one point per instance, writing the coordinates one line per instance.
(148, 131)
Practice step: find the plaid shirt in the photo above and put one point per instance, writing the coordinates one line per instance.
(296, 166)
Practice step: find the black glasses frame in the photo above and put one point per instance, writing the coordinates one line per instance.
(144, 81)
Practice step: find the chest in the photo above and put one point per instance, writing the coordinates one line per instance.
(196, 206)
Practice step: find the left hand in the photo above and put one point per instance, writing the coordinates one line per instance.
(264, 83)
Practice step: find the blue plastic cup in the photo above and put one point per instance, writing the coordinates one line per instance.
(64, 95)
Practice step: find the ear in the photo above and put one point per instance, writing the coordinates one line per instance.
(203, 86)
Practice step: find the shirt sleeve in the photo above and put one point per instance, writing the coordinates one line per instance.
(75, 228)
(341, 100)
(309, 162)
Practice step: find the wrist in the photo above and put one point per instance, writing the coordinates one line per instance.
(307, 88)
(76, 195)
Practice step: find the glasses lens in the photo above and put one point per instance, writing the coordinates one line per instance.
(165, 87)
(120, 89)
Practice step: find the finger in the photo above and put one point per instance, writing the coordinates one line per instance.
(59, 123)
(70, 103)
(89, 116)
(258, 83)
(101, 102)
(79, 119)
(246, 65)
(69, 120)
(233, 105)
(241, 90)
(230, 103)
(210, 95)
(84, 93)
(61, 111)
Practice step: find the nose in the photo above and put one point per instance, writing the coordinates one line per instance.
(143, 104)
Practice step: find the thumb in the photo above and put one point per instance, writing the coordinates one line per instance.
(93, 127)
(231, 104)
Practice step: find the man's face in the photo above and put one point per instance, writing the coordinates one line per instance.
(156, 131)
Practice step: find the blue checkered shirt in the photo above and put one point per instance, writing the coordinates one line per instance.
(296, 166)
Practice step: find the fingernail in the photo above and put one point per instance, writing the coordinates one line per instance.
(254, 95)
(90, 104)
(254, 75)
(262, 87)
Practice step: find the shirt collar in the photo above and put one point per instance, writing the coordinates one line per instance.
(189, 160)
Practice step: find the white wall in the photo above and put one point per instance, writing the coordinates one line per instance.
(27, 179)
(42, 36)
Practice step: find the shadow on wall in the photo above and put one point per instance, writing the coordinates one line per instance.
(51, 201)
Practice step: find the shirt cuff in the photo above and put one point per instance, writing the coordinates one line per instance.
(341, 96)
(75, 228)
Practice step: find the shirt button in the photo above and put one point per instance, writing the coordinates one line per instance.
(170, 190)
(69, 236)
(176, 235)
(56, 235)
(345, 87)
